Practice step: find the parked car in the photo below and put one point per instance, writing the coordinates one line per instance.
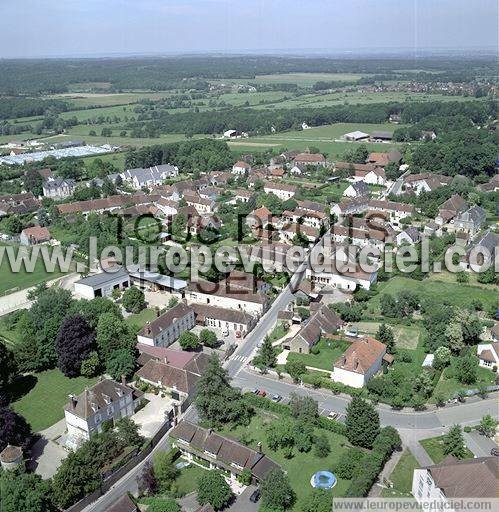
(333, 415)
(255, 496)
(495, 452)
(255, 391)
(262, 393)
(276, 398)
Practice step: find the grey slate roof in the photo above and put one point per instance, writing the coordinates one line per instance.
(102, 278)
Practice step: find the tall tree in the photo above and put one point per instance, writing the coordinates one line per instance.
(267, 356)
(319, 500)
(165, 470)
(216, 401)
(454, 442)
(277, 493)
(24, 491)
(13, 429)
(213, 489)
(113, 334)
(362, 422)
(133, 300)
(8, 366)
(385, 335)
(73, 344)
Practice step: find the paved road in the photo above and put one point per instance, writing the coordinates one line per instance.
(243, 353)
(478, 444)
(463, 414)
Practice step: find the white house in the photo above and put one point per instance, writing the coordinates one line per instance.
(453, 479)
(105, 401)
(360, 361)
(283, 191)
(103, 284)
(223, 295)
(410, 236)
(357, 189)
(356, 136)
(150, 176)
(346, 280)
(241, 168)
(34, 235)
(226, 320)
(488, 354)
(58, 188)
(168, 327)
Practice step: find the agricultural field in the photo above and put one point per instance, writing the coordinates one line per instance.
(456, 294)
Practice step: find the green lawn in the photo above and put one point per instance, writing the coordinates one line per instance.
(13, 281)
(401, 477)
(434, 447)
(138, 320)
(44, 396)
(278, 332)
(406, 336)
(8, 335)
(187, 481)
(448, 385)
(329, 352)
(302, 466)
(454, 293)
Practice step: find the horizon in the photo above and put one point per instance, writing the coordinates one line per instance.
(78, 29)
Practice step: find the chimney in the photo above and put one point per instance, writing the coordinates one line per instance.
(259, 447)
(165, 360)
(74, 401)
(123, 380)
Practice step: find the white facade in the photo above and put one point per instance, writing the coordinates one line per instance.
(197, 297)
(170, 333)
(340, 281)
(492, 360)
(90, 288)
(281, 193)
(356, 379)
(424, 487)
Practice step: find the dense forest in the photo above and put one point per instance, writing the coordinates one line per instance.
(263, 121)
(56, 76)
(193, 155)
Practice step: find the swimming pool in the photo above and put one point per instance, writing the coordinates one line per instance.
(323, 480)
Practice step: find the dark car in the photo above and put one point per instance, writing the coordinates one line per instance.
(495, 452)
(255, 496)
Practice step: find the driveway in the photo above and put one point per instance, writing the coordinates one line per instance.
(152, 416)
(47, 454)
(478, 444)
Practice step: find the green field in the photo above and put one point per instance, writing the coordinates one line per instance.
(456, 294)
(448, 385)
(302, 466)
(406, 336)
(42, 396)
(401, 477)
(138, 320)
(329, 352)
(434, 447)
(13, 281)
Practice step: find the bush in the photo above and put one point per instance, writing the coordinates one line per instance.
(133, 300)
(349, 464)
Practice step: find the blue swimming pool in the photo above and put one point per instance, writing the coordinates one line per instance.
(323, 480)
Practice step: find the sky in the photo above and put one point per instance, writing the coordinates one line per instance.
(51, 28)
